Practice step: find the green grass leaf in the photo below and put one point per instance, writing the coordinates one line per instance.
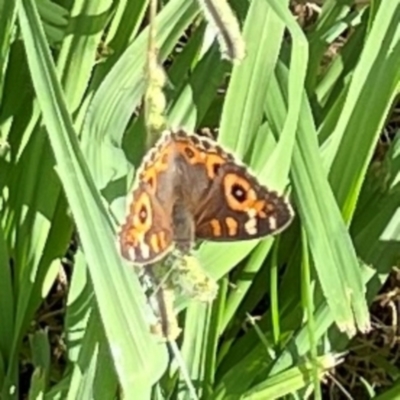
(121, 306)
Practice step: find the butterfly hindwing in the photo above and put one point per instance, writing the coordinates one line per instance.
(147, 235)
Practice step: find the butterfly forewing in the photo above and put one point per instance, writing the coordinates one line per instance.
(238, 207)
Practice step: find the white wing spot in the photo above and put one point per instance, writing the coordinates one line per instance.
(251, 212)
(144, 249)
(272, 223)
(251, 226)
(131, 253)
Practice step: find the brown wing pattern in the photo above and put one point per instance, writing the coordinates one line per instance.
(189, 186)
(147, 234)
(238, 207)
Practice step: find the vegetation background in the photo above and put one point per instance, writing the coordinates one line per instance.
(313, 100)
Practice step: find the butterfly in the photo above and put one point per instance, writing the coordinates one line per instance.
(188, 187)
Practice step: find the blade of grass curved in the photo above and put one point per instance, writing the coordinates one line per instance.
(243, 97)
(248, 87)
(280, 161)
(243, 111)
(285, 145)
(138, 360)
(373, 87)
(249, 80)
(329, 240)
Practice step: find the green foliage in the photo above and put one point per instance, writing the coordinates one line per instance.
(72, 132)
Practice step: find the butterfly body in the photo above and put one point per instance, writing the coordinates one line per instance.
(189, 187)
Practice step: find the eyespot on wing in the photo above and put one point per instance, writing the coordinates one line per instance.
(146, 235)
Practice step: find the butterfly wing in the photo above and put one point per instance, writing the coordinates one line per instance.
(146, 236)
(188, 183)
(197, 161)
(238, 207)
(226, 201)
